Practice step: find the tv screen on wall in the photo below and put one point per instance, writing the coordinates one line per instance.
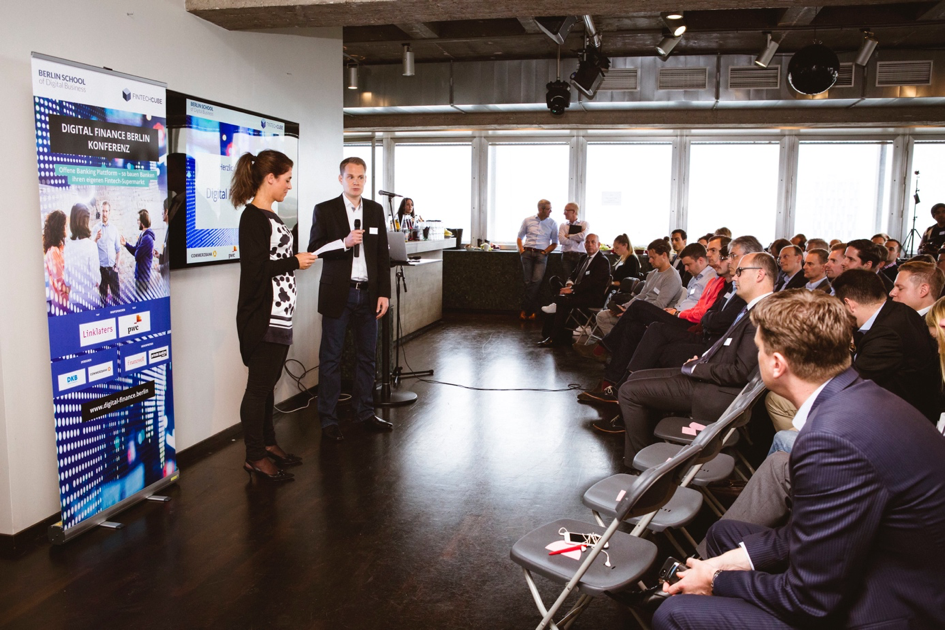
(205, 141)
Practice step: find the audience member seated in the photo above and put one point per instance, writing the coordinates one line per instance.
(817, 243)
(585, 288)
(935, 320)
(661, 287)
(834, 266)
(627, 265)
(791, 260)
(940, 260)
(814, 264)
(892, 342)
(723, 231)
(678, 242)
(863, 547)
(880, 239)
(864, 254)
(918, 285)
(799, 240)
(893, 249)
(775, 248)
(933, 239)
(705, 385)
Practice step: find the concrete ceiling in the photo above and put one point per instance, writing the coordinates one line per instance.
(439, 30)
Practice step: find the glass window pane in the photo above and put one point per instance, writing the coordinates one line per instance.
(438, 177)
(733, 186)
(628, 191)
(521, 175)
(929, 159)
(842, 189)
(363, 151)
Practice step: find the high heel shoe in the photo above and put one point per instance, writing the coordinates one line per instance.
(280, 476)
(284, 462)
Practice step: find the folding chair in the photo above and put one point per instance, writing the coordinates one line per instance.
(710, 465)
(584, 317)
(627, 556)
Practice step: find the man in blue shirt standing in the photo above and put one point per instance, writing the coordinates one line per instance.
(537, 238)
(109, 244)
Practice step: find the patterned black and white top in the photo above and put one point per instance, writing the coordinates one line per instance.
(284, 292)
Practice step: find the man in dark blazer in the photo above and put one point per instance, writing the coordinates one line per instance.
(791, 259)
(865, 543)
(354, 289)
(863, 253)
(704, 386)
(585, 288)
(893, 345)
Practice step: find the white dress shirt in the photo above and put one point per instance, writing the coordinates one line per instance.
(359, 272)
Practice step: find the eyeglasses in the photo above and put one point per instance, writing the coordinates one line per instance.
(738, 272)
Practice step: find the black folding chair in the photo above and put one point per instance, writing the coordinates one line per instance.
(626, 556)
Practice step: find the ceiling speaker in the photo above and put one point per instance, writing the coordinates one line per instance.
(813, 69)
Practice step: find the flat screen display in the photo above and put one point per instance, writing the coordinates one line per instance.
(205, 141)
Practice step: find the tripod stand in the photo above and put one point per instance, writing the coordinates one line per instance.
(909, 244)
(386, 397)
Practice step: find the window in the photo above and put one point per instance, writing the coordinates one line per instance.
(438, 177)
(519, 176)
(363, 151)
(929, 159)
(842, 189)
(733, 185)
(628, 191)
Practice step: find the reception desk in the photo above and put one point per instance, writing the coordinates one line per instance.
(422, 304)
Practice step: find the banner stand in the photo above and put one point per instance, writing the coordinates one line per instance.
(59, 536)
(101, 155)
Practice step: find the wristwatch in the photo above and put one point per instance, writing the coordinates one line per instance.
(712, 583)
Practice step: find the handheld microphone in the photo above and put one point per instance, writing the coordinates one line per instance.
(357, 248)
(388, 194)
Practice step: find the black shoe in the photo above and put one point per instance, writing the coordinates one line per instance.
(607, 395)
(610, 426)
(378, 424)
(284, 462)
(280, 476)
(648, 600)
(332, 433)
(547, 342)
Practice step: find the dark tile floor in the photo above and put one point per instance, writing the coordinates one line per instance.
(410, 529)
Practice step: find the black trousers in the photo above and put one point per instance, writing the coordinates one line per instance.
(666, 345)
(556, 324)
(623, 340)
(265, 368)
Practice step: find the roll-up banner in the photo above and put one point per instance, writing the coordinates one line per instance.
(101, 155)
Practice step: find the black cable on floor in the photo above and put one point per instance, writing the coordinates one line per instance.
(298, 382)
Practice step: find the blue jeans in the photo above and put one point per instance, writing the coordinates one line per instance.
(360, 312)
(783, 441)
(533, 268)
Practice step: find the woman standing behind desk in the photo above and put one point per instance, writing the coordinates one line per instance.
(407, 216)
(266, 303)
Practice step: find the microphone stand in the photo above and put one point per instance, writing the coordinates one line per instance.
(909, 244)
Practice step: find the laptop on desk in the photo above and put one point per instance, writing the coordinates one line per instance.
(398, 249)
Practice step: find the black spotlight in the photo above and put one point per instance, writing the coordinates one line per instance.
(813, 69)
(558, 97)
(590, 72)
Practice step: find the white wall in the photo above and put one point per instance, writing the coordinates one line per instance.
(298, 78)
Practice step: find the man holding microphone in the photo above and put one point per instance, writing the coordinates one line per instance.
(355, 289)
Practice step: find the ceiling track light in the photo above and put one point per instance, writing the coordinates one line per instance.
(353, 76)
(409, 66)
(666, 45)
(675, 22)
(867, 46)
(767, 53)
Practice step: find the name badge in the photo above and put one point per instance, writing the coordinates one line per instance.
(587, 273)
(372, 230)
(728, 342)
(940, 232)
(656, 291)
(692, 290)
(727, 295)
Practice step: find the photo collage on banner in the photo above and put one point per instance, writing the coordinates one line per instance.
(101, 149)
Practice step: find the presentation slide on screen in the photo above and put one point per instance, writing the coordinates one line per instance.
(101, 147)
(213, 137)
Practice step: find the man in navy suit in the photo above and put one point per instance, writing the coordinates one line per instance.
(865, 543)
(354, 289)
